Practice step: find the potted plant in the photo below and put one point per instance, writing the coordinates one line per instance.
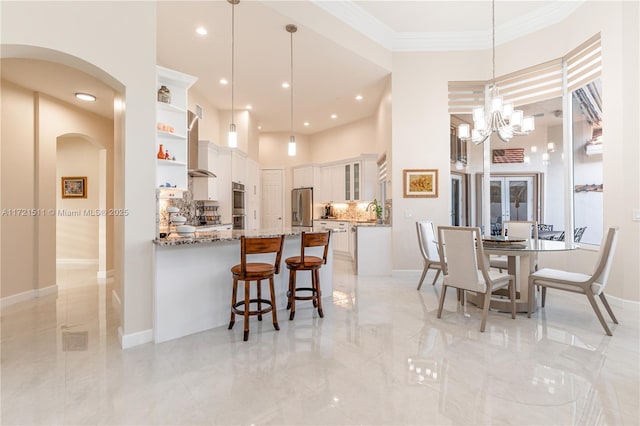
(377, 209)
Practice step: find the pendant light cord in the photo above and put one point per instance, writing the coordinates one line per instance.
(291, 83)
(233, 20)
(493, 26)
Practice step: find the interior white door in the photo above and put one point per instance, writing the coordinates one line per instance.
(272, 199)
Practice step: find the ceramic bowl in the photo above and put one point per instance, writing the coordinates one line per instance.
(172, 209)
(185, 230)
(178, 220)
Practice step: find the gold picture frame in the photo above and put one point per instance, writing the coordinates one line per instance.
(74, 187)
(420, 183)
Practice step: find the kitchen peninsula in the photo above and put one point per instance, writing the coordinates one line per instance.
(193, 281)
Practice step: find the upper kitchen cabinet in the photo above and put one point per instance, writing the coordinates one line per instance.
(238, 167)
(351, 180)
(171, 135)
(306, 176)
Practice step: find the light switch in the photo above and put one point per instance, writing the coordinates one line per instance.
(636, 215)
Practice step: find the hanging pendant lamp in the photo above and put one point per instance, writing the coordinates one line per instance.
(232, 138)
(498, 118)
(292, 139)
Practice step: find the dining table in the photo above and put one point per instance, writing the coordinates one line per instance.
(522, 260)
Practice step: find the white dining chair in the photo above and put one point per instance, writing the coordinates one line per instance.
(466, 270)
(518, 229)
(589, 285)
(428, 250)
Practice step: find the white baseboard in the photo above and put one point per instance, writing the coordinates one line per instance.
(28, 295)
(76, 261)
(623, 303)
(135, 339)
(116, 303)
(105, 276)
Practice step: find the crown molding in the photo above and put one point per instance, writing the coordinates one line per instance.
(360, 20)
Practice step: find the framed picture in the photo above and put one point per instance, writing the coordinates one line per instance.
(420, 183)
(74, 187)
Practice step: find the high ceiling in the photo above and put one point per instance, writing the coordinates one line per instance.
(342, 49)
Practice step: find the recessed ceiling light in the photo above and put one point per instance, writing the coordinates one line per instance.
(259, 127)
(306, 123)
(224, 81)
(285, 85)
(248, 107)
(334, 116)
(358, 97)
(85, 97)
(201, 31)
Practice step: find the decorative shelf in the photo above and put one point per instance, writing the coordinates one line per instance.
(170, 163)
(168, 135)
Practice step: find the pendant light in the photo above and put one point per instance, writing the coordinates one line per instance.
(499, 118)
(232, 139)
(292, 139)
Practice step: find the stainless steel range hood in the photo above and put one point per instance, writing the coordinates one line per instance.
(194, 164)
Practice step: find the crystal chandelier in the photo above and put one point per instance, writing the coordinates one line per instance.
(500, 118)
(291, 150)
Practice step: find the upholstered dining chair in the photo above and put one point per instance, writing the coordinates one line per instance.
(428, 250)
(519, 229)
(589, 285)
(466, 270)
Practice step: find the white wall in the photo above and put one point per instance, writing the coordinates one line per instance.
(77, 236)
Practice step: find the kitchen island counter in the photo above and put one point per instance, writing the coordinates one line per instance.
(193, 282)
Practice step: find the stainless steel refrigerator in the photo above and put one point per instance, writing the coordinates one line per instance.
(302, 207)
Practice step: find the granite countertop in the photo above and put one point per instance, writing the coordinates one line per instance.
(358, 223)
(220, 236)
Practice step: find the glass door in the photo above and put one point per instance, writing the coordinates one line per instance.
(456, 200)
(511, 199)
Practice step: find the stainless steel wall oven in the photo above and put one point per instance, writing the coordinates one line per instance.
(237, 208)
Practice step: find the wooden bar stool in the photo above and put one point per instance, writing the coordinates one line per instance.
(307, 263)
(256, 271)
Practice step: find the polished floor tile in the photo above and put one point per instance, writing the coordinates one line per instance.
(378, 357)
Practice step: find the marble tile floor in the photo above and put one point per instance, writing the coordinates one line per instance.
(378, 357)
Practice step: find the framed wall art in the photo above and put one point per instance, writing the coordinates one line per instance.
(419, 183)
(74, 187)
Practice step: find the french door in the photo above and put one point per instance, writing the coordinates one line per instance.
(512, 198)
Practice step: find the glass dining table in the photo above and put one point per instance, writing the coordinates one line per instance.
(522, 259)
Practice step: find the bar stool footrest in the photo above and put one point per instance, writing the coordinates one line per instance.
(263, 311)
(314, 293)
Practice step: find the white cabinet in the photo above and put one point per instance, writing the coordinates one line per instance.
(351, 180)
(252, 193)
(205, 188)
(238, 167)
(306, 176)
(171, 135)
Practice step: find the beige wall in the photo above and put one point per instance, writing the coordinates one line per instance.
(32, 156)
(118, 47)
(347, 141)
(77, 236)
(19, 264)
(420, 125)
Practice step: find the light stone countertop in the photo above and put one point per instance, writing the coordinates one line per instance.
(221, 236)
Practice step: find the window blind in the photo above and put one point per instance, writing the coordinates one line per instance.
(584, 63)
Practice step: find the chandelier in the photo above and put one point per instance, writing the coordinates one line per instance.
(499, 118)
(232, 138)
(291, 150)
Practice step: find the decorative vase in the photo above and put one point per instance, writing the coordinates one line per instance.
(164, 95)
(160, 153)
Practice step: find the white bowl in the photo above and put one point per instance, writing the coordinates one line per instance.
(172, 209)
(178, 220)
(185, 229)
